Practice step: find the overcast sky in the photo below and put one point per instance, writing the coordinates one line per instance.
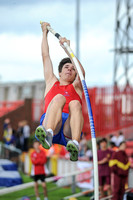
(20, 37)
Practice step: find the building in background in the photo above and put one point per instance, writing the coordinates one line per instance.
(22, 90)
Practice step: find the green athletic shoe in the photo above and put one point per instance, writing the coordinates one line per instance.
(73, 149)
(43, 136)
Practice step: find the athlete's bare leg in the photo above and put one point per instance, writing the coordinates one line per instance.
(53, 117)
(76, 119)
(73, 127)
(52, 121)
(74, 124)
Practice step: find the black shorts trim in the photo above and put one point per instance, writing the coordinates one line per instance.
(39, 177)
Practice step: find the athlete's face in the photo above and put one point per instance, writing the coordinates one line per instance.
(68, 72)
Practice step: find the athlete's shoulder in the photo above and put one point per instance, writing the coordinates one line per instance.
(77, 84)
(78, 87)
(50, 84)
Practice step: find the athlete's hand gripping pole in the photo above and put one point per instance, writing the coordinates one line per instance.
(94, 145)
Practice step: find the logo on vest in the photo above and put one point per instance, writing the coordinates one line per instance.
(66, 94)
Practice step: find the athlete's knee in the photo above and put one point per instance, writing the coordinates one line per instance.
(75, 106)
(59, 99)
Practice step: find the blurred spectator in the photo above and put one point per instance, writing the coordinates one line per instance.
(113, 146)
(110, 137)
(38, 158)
(9, 133)
(119, 166)
(82, 146)
(118, 138)
(121, 138)
(26, 134)
(19, 136)
(130, 175)
(114, 139)
(98, 144)
(104, 155)
(6, 122)
(63, 151)
(88, 154)
(131, 160)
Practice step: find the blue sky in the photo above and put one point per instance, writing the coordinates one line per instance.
(20, 37)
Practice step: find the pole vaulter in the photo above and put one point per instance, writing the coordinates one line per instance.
(90, 115)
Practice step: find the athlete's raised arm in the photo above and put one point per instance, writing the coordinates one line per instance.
(47, 63)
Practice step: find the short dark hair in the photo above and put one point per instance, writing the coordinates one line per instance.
(63, 62)
(112, 144)
(120, 133)
(103, 140)
(110, 136)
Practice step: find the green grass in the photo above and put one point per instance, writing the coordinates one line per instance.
(25, 178)
(57, 194)
(53, 195)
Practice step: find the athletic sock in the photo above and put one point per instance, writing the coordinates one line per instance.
(50, 131)
(76, 142)
(45, 198)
